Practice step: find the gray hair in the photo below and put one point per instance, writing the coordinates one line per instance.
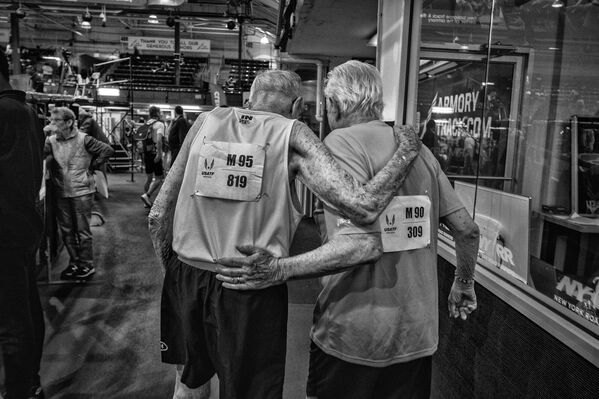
(356, 88)
(274, 84)
(64, 113)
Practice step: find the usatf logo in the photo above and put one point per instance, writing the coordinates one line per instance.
(207, 172)
(163, 347)
(390, 223)
(246, 119)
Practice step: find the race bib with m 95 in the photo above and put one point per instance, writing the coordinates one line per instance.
(230, 171)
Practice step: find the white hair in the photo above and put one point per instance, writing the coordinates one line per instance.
(273, 84)
(356, 88)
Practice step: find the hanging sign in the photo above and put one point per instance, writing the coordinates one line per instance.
(168, 44)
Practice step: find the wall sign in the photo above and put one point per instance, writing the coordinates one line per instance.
(168, 44)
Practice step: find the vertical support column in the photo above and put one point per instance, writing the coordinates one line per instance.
(177, 53)
(397, 57)
(15, 44)
(240, 53)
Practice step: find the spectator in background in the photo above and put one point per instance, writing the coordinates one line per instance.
(47, 71)
(21, 318)
(89, 126)
(37, 80)
(73, 155)
(177, 133)
(152, 155)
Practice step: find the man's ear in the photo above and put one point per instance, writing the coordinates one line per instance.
(332, 110)
(297, 108)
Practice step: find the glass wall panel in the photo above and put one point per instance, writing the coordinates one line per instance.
(508, 101)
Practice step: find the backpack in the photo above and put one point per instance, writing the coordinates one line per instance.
(143, 132)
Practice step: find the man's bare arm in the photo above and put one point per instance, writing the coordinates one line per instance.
(160, 219)
(462, 298)
(260, 269)
(362, 204)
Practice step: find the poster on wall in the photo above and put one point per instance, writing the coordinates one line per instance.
(578, 297)
(454, 126)
(585, 165)
(504, 221)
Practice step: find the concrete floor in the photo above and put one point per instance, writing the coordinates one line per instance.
(102, 338)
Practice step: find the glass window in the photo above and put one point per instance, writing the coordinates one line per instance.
(508, 101)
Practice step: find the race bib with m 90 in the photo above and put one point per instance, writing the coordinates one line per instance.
(230, 171)
(405, 223)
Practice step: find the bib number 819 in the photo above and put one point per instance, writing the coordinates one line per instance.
(237, 181)
(414, 231)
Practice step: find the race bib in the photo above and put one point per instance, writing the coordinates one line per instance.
(405, 223)
(230, 171)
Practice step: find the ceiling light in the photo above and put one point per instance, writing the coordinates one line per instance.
(557, 4)
(109, 91)
(264, 40)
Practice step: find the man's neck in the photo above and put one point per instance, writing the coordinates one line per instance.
(354, 119)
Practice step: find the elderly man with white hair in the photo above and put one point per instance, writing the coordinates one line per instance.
(375, 326)
(232, 185)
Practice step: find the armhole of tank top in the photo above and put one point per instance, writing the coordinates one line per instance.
(199, 130)
(296, 207)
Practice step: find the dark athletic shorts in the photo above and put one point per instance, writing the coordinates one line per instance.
(239, 335)
(151, 166)
(333, 378)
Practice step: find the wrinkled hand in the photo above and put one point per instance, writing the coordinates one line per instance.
(257, 270)
(407, 139)
(461, 300)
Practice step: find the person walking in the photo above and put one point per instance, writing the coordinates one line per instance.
(177, 132)
(152, 155)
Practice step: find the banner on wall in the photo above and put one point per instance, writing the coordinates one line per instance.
(504, 221)
(168, 44)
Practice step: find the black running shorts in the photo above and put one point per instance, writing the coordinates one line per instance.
(239, 335)
(151, 166)
(332, 378)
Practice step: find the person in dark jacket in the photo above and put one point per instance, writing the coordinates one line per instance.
(73, 155)
(89, 126)
(21, 226)
(177, 133)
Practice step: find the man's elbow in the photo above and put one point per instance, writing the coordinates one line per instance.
(374, 249)
(471, 233)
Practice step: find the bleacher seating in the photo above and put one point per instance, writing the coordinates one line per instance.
(152, 71)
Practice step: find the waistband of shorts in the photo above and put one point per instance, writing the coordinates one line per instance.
(198, 264)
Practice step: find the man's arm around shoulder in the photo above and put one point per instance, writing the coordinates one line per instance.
(313, 164)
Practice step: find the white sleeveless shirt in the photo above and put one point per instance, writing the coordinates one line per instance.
(235, 189)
